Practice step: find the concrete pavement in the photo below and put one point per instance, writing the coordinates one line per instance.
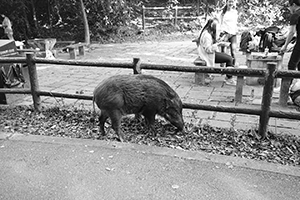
(43, 167)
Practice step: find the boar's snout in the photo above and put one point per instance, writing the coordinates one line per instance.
(176, 120)
(179, 125)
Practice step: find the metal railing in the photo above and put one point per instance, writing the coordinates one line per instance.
(265, 112)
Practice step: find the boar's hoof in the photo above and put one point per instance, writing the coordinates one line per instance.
(121, 137)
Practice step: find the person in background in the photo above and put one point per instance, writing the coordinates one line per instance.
(207, 47)
(294, 27)
(7, 26)
(228, 27)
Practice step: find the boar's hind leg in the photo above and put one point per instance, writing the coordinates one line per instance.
(116, 117)
(102, 119)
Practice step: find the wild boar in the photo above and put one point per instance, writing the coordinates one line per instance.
(137, 94)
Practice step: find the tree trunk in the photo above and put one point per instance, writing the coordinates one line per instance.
(34, 14)
(27, 31)
(86, 24)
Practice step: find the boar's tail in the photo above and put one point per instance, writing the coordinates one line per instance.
(94, 111)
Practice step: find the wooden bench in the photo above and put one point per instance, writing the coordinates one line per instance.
(199, 76)
(60, 46)
(43, 46)
(73, 47)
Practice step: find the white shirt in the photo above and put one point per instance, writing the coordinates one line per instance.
(229, 22)
(206, 49)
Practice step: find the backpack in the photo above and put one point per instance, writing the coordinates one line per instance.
(245, 39)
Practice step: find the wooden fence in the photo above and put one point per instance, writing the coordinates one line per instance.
(175, 16)
(264, 112)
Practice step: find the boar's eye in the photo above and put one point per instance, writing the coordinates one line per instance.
(167, 116)
(173, 104)
(172, 112)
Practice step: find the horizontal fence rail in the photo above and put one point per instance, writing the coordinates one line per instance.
(241, 110)
(216, 70)
(265, 111)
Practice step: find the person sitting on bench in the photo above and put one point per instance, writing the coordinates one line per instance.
(207, 46)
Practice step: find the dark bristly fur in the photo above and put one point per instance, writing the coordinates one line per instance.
(137, 94)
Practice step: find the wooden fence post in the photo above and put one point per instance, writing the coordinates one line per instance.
(239, 90)
(137, 66)
(33, 82)
(143, 17)
(284, 91)
(267, 99)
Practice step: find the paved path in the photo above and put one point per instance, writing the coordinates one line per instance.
(49, 168)
(73, 79)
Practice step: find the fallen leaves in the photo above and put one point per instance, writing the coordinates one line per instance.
(175, 186)
(75, 123)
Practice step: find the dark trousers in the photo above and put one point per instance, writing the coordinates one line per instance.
(294, 62)
(224, 58)
(233, 42)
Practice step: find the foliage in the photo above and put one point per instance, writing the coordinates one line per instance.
(118, 18)
(255, 13)
(110, 17)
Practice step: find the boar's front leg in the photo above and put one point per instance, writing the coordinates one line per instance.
(149, 116)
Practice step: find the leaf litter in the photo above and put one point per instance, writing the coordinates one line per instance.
(76, 123)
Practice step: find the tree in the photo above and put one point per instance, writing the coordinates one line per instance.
(85, 23)
(264, 13)
(99, 19)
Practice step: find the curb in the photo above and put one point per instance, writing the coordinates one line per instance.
(230, 161)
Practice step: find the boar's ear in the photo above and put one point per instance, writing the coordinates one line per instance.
(169, 103)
